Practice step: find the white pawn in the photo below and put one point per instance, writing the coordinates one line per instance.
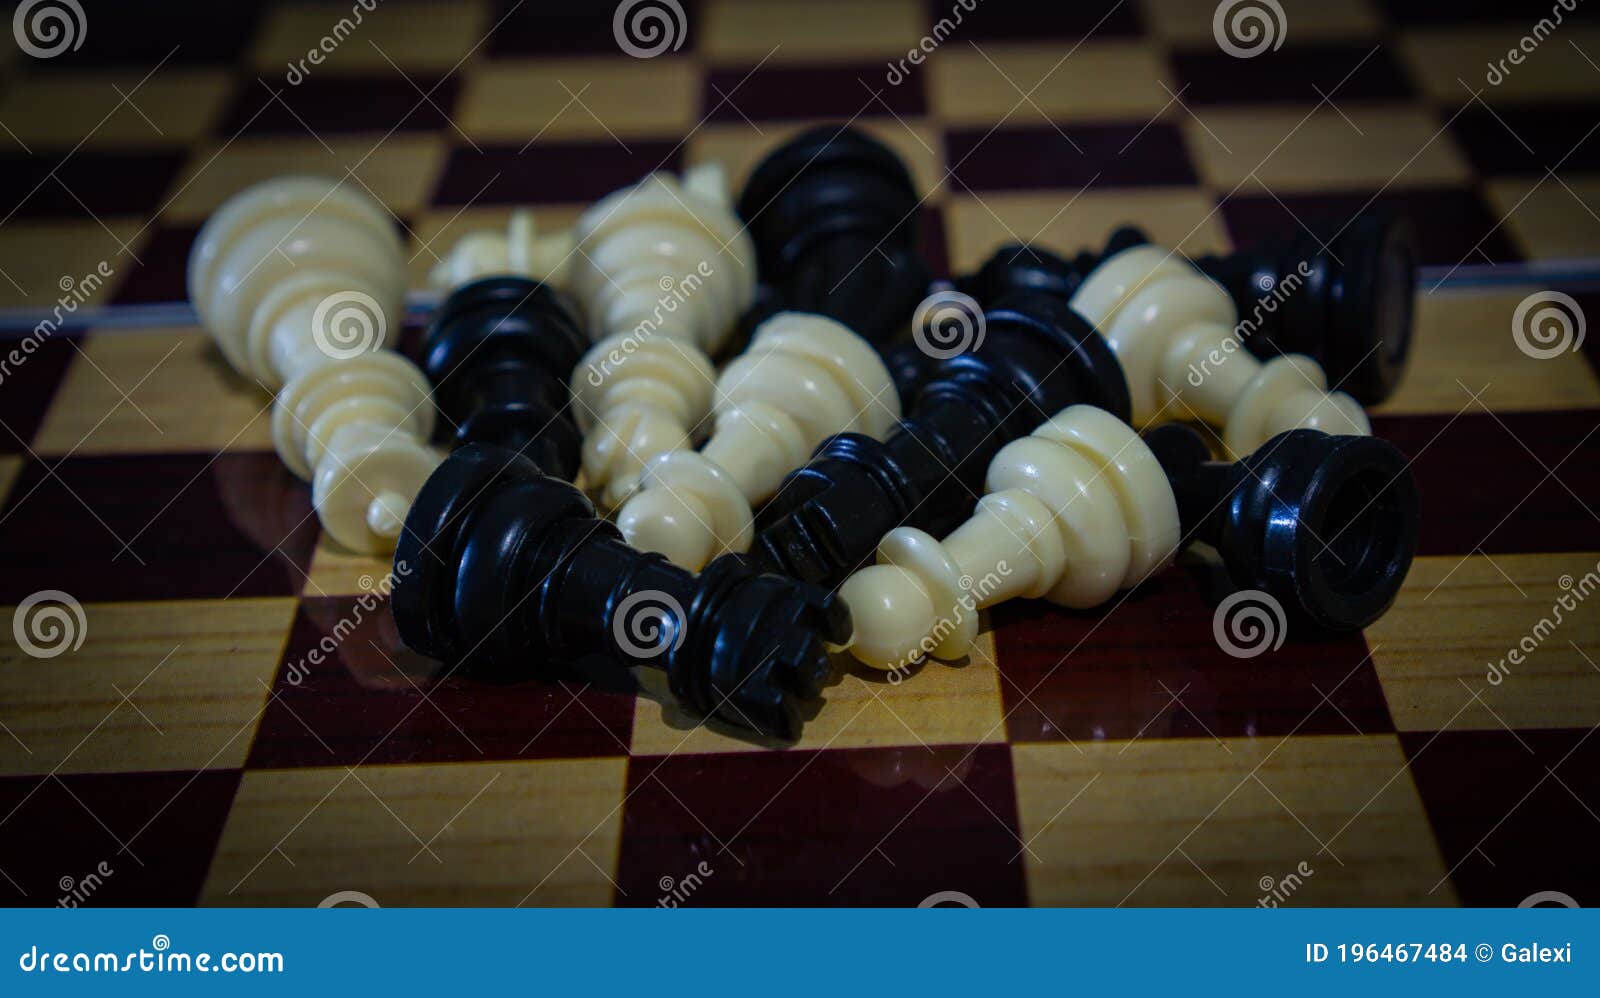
(519, 251)
(299, 280)
(663, 270)
(1175, 332)
(803, 378)
(1073, 513)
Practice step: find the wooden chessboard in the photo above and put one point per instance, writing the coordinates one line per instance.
(191, 750)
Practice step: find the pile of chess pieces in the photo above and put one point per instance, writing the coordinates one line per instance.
(801, 442)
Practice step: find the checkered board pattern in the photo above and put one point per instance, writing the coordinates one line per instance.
(1076, 758)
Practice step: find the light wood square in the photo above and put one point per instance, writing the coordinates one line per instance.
(1191, 822)
(172, 107)
(1030, 85)
(417, 37)
(1067, 221)
(747, 31)
(1451, 64)
(1462, 344)
(196, 676)
(1354, 148)
(484, 834)
(739, 148)
(1551, 218)
(1443, 651)
(547, 100)
(937, 704)
(161, 390)
(42, 263)
(9, 467)
(400, 170)
(1304, 20)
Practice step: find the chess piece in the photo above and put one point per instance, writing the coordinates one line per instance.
(802, 379)
(663, 270)
(1347, 305)
(503, 569)
(299, 280)
(519, 251)
(1325, 525)
(499, 352)
(1035, 355)
(833, 213)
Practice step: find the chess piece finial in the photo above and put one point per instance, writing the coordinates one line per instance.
(1036, 355)
(300, 281)
(663, 270)
(519, 251)
(802, 379)
(833, 213)
(1178, 338)
(1326, 525)
(502, 568)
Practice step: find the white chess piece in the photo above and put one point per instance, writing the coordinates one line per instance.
(1174, 331)
(300, 280)
(803, 378)
(520, 250)
(1074, 512)
(663, 270)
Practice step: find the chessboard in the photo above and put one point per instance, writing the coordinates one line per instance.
(221, 712)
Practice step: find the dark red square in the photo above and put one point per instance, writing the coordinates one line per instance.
(1151, 666)
(1032, 21)
(776, 93)
(348, 692)
(195, 526)
(181, 33)
(31, 369)
(160, 275)
(1041, 158)
(1514, 812)
(873, 826)
(1292, 74)
(321, 105)
(1513, 504)
(561, 27)
(1452, 226)
(549, 173)
(1528, 139)
(154, 833)
(84, 184)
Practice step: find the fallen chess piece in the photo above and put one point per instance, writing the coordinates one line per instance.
(833, 213)
(663, 270)
(300, 281)
(1326, 525)
(502, 568)
(803, 378)
(1037, 356)
(1347, 305)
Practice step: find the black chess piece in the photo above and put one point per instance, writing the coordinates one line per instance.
(1035, 356)
(833, 214)
(503, 569)
(499, 353)
(1347, 305)
(1326, 524)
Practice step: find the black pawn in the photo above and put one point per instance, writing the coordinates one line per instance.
(1326, 524)
(833, 214)
(1349, 306)
(1036, 357)
(504, 569)
(499, 353)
